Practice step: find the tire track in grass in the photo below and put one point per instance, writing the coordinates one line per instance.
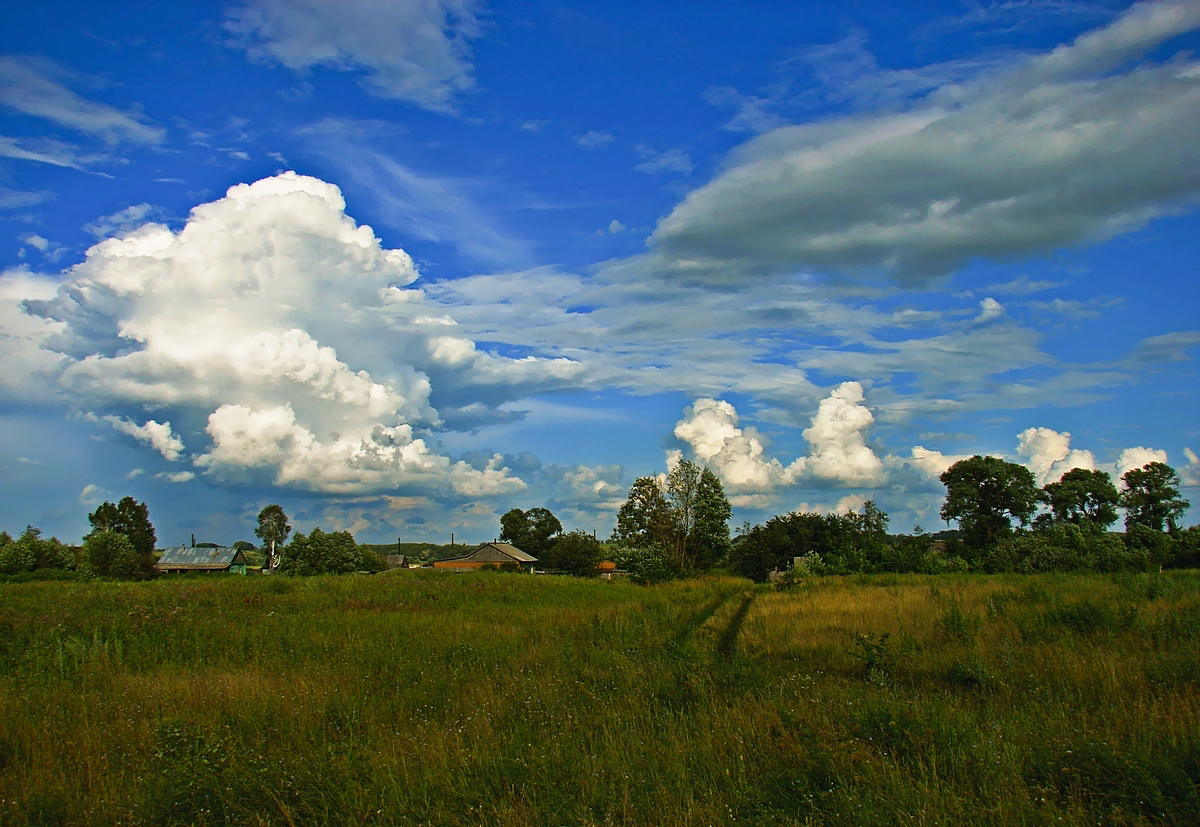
(699, 619)
(728, 641)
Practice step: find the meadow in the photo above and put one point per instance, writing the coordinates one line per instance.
(435, 698)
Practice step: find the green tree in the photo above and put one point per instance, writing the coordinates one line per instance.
(131, 518)
(1150, 545)
(984, 495)
(320, 553)
(1185, 548)
(576, 553)
(686, 519)
(644, 520)
(45, 554)
(709, 541)
(775, 544)
(683, 485)
(1151, 497)
(273, 529)
(1082, 497)
(128, 517)
(16, 556)
(532, 531)
(108, 553)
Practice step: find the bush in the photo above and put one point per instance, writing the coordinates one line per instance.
(370, 561)
(29, 552)
(576, 553)
(320, 553)
(1185, 548)
(646, 566)
(1064, 547)
(108, 554)
(16, 557)
(1151, 547)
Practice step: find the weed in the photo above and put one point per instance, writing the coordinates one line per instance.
(959, 625)
(969, 673)
(877, 658)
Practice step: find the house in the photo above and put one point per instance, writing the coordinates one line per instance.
(607, 570)
(183, 558)
(496, 554)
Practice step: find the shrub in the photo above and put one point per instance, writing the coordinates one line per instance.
(108, 554)
(370, 561)
(576, 553)
(320, 553)
(646, 566)
(1148, 545)
(1185, 548)
(16, 557)
(959, 625)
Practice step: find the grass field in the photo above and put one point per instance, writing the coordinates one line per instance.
(445, 699)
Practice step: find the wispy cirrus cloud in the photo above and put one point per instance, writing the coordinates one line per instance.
(431, 207)
(415, 51)
(30, 87)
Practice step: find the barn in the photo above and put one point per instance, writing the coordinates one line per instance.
(182, 558)
(496, 554)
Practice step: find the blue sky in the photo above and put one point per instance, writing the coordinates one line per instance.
(402, 266)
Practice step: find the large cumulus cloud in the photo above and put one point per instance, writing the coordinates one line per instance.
(1066, 147)
(285, 336)
(840, 453)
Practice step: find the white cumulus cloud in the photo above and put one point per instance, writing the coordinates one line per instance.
(158, 435)
(1190, 474)
(285, 336)
(1132, 458)
(838, 451)
(1048, 454)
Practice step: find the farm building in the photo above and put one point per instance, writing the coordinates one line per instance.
(183, 558)
(497, 554)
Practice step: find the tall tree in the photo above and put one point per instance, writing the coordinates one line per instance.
(644, 521)
(984, 494)
(128, 517)
(1151, 497)
(709, 543)
(1083, 497)
(273, 529)
(532, 531)
(683, 484)
(685, 517)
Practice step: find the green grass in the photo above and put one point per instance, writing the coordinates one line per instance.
(426, 697)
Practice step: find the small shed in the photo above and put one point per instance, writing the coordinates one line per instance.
(183, 558)
(496, 554)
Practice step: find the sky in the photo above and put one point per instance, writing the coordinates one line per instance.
(403, 265)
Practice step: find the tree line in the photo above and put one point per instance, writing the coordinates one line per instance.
(1006, 523)
(677, 524)
(671, 526)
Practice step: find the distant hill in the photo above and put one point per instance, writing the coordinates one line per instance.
(421, 551)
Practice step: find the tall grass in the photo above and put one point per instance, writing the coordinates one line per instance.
(448, 699)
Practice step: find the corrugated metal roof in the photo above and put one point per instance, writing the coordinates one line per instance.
(494, 553)
(184, 557)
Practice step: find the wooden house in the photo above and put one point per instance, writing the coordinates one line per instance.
(496, 554)
(184, 558)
